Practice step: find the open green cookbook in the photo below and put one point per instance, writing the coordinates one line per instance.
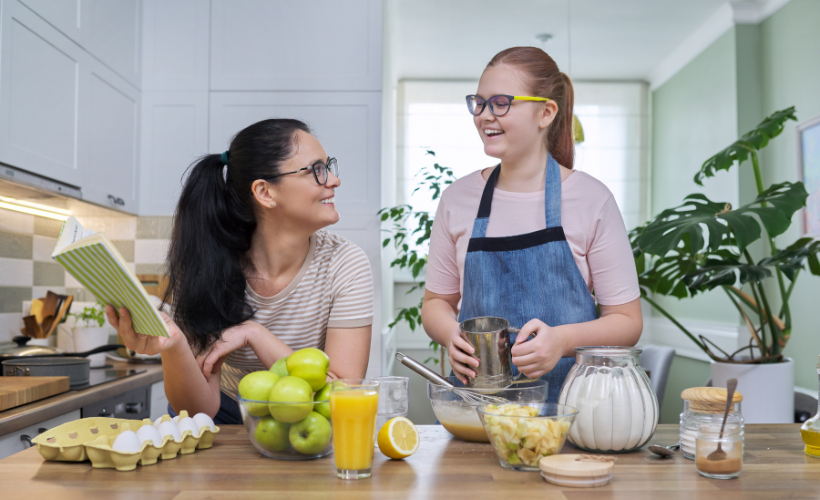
(95, 262)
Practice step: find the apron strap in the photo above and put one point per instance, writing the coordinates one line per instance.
(487, 196)
(552, 193)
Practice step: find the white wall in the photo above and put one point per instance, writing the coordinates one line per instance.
(210, 70)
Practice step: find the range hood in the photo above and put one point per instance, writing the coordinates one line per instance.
(27, 187)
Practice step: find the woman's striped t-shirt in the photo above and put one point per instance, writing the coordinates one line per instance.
(333, 289)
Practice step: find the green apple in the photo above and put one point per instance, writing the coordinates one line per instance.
(322, 394)
(290, 390)
(280, 367)
(272, 434)
(311, 435)
(256, 386)
(311, 365)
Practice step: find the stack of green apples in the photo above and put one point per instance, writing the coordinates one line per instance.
(290, 403)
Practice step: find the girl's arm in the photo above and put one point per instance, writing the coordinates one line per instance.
(349, 351)
(619, 325)
(440, 321)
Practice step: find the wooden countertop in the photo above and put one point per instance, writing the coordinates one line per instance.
(22, 416)
(444, 467)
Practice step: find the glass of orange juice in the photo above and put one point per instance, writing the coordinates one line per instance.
(353, 407)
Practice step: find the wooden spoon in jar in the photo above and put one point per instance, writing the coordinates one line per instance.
(719, 454)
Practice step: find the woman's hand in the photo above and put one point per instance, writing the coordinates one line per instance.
(144, 344)
(459, 351)
(233, 338)
(540, 354)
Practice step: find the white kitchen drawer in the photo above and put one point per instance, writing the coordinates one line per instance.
(12, 443)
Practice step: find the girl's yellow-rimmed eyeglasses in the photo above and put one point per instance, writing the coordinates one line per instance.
(499, 104)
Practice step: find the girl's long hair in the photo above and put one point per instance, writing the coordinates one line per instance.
(214, 221)
(546, 80)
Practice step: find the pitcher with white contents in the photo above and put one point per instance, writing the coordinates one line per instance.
(617, 408)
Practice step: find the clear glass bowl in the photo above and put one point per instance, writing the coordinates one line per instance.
(520, 442)
(460, 418)
(618, 410)
(304, 439)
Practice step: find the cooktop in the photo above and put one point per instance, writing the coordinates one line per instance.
(105, 374)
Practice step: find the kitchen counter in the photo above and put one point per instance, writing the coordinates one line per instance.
(444, 467)
(20, 417)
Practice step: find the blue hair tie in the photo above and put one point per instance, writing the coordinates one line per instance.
(225, 158)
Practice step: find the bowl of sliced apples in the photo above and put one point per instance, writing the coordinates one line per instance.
(523, 434)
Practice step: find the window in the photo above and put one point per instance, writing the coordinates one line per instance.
(432, 115)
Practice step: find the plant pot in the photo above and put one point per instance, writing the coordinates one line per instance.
(768, 389)
(87, 338)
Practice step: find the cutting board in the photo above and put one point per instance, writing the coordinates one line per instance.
(16, 391)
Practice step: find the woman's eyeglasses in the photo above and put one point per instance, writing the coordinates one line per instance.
(320, 171)
(499, 104)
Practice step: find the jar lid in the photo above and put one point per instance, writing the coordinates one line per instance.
(577, 465)
(709, 398)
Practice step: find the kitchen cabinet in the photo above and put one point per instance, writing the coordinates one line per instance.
(109, 140)
(65, 115)
(159, 402)
(19, 440)
(285, 45)
(109, 30)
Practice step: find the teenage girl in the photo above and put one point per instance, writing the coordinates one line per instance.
(530, 240)
(253, 274)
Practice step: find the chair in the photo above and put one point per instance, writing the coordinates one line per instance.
(657, 361)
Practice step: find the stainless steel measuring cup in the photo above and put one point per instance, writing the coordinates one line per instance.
(490, 337)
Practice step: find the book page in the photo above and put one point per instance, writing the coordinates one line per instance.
(71, 232)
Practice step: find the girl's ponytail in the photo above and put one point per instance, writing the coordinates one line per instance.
(214, 221)
(545, 80)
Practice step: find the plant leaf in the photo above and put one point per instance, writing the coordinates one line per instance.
(739, 150)
(724, 272)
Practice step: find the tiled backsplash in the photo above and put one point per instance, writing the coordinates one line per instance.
(27, 270)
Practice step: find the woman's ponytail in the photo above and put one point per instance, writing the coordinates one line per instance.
(545, 80)
(213, 225)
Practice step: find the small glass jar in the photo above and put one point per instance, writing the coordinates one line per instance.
(728, 464)
(707, 404)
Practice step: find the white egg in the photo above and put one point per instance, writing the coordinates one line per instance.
(188, 424)
(204, 421)
(170, 429)
(127, 442)
(175, 419)
(147, 432)
(157, 422)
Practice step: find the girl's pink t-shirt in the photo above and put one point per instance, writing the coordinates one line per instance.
(592, 224)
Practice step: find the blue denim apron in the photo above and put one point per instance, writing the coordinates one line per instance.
(527, 276)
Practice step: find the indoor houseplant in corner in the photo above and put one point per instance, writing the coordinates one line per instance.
(704, 245)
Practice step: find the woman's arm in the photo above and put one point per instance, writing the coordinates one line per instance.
(619, 325)
(440, 321)
(185, 386)
(349, 351)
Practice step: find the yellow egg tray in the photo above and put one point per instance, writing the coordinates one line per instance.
(92, 438)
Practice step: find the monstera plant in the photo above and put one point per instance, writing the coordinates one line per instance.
(705, 245)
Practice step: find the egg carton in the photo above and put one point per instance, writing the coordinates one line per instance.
(93, 439)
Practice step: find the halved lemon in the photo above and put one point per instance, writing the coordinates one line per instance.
(398, 438)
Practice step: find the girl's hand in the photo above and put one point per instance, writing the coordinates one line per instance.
(233, 338)
(144, 344)
(539, 355)
(459, 351)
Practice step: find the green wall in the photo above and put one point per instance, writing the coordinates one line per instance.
(694, 115)
(745, 75)
(790, 75)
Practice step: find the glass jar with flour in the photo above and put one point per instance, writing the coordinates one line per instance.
(617, 408)
(705, 404)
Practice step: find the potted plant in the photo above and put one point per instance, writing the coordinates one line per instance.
(89, 331)
(705, 245)
(406, 224)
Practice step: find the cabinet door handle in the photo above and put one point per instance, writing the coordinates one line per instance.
(25, 438)
(116, 201)
(133, 407)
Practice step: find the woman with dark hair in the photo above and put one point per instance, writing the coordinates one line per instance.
(530, 239)
(253, 275)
